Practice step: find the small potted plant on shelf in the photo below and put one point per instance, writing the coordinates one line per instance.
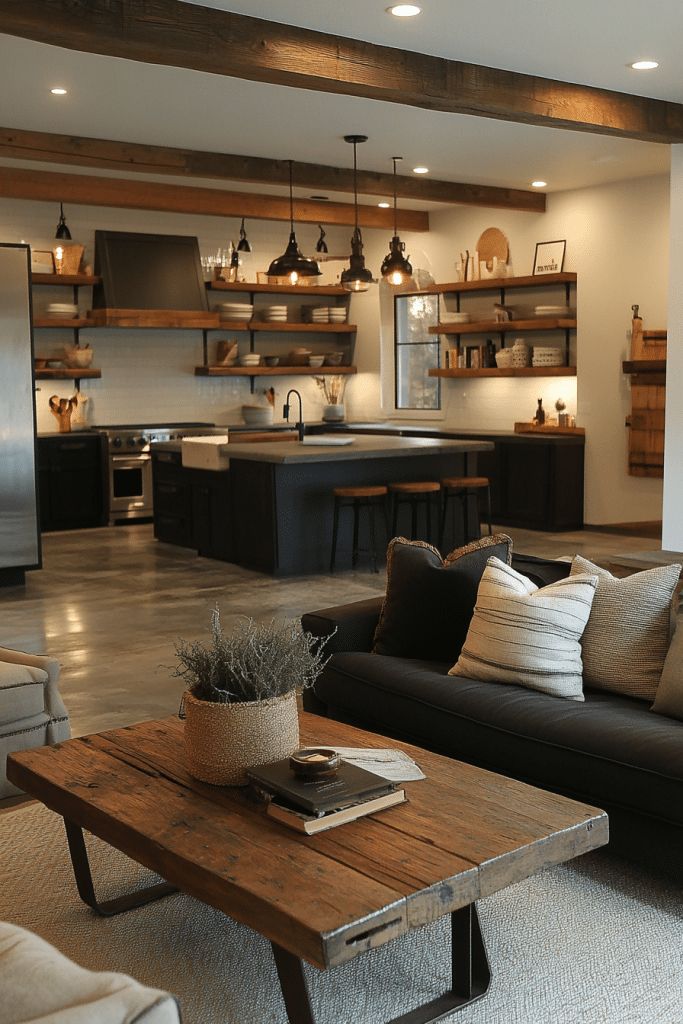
(240, 705)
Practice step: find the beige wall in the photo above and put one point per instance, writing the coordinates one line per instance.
(672, 536)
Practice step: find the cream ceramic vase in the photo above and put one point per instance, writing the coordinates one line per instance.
(223, 740)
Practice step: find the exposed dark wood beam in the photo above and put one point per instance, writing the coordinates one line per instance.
(189, 163)
(185, 35)
(89, 190)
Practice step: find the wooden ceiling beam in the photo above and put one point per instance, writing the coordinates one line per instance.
(184, 35)
(128, 156)
(90, 190)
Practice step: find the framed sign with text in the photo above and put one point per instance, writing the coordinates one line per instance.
(549, 257)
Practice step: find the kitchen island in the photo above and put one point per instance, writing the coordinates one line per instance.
(274, 512)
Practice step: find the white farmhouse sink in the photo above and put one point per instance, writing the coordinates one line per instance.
(328, 439)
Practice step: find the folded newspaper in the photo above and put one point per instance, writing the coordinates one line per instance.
(394, 765)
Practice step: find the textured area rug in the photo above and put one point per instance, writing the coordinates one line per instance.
(592, 941)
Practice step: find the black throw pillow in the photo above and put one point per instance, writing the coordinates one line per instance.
(430, 600)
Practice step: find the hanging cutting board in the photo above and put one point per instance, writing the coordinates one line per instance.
(493, 242)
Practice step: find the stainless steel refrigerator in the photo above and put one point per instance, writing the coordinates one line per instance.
(19, 530)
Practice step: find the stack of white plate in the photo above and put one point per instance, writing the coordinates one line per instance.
(274, 313)
(250, 359)
(320, 315)
(552, 311)
(520, 354)
(62, 310)
(547, 355)
(337, 314)
(241, 311)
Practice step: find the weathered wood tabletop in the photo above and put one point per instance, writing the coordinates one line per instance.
(464, 833)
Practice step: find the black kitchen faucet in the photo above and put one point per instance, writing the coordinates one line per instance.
(285, 412)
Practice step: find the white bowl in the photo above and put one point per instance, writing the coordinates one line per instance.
(316, 360)
(257, 415)
(250, 360)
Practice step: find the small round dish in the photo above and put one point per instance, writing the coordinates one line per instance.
(316, 360)
(315, 762)
(271, 360)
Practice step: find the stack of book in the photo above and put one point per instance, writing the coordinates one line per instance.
(312, 805)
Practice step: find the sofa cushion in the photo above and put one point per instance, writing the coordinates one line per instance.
(22, 692)
(607, 751)
(430, 600)
(669, 699)
(628, 632)
(527, 635)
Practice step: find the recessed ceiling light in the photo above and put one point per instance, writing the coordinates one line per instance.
(404, 10)
(539, 184)
(420, 170)
(58, 91)
(645, 65)
(384, 206)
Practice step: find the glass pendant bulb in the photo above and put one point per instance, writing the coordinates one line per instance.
(292, 264)
(396, 268)
(356, 277)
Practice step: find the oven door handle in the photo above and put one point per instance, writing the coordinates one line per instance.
(134, 460)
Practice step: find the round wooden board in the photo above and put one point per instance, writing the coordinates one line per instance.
(493, 242)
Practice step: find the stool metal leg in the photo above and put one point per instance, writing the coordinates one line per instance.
(488, 509)
(428, 504)
(354, 551)
(373, 542)
(335, 530)
(385, 511)
(466, 516)
(394, 514)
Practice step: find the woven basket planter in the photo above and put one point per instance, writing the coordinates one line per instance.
(223, 740)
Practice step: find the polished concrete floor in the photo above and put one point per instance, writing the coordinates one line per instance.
(109, 604)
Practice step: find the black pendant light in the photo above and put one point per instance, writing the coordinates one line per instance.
(357, 277)
(243, 244)
(321, 244)
(62, 231)
(395, 268)
(292, 263)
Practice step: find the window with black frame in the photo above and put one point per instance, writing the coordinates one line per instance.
(416, 351)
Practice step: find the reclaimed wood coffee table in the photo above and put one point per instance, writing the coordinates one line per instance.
(464, 833)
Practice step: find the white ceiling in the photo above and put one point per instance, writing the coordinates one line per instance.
(582, 42)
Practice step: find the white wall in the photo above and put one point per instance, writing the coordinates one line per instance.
(672, 534)
(617, 242)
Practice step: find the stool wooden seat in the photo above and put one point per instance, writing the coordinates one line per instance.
(364, 496)
(413, 493)
(460, 488)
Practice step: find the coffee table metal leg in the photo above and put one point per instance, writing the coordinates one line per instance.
(470, 976)
(86, 889)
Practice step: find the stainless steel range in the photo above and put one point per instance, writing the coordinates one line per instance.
(130, 464)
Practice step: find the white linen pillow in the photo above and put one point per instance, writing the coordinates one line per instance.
(527, 635)
(629, 629)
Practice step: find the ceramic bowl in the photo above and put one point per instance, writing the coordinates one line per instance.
(257, 415)
(316, 360)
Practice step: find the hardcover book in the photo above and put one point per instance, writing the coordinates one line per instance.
(310, 824)
(349, 785)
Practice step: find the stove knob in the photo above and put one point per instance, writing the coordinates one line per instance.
(143, 440)
(116, 442)
(131, 442)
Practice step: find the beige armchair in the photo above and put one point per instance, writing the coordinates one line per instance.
(32, 712)
(39, 984)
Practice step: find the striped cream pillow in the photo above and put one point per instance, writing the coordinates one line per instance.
(629, 629)
(527, 635)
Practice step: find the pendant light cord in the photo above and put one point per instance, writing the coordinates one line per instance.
(291, 198)
(355, 187)
(395, 159)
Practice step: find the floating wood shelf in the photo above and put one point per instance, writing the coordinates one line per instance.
(62, 323)
(494, 284)
(525, 371)
(644, 366)
(493, 327)
(271, 371)
(67, 373)
(286, 328)
(276, 289)
(547, 428)
(181, 319)
(65, 279)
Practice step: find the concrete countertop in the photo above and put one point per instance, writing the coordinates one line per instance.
(363, 447)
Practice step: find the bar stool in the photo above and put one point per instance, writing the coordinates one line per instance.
(414, 494)
(357, 498)
(460, 488)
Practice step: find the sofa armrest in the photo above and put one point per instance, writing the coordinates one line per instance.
(54, 705)
(355, 625)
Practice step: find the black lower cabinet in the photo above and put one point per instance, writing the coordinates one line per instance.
(72, 481)
(191, 506)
